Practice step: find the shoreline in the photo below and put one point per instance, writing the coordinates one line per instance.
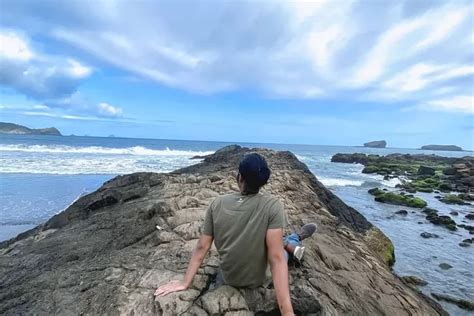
(346, 202)
(118, 200)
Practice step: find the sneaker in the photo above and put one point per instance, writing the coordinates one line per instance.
(307, 231)
(298, 253)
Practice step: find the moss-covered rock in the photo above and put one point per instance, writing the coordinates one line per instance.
(371, 169)
(453, 199)
(397, 199)
(442, 220)
(375, 191)
(381, 245)
(429, 211)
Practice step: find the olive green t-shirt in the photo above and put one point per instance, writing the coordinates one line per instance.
(239, 224)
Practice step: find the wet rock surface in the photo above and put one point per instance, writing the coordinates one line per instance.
(108, 251)
(423, 173)
(428, 235)
(413, 280)
(462, 303)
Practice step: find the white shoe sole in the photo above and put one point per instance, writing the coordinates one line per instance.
(298, 254)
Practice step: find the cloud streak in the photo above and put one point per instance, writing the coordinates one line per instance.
(399, 51)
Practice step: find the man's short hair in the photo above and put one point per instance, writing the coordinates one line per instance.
(255, 172)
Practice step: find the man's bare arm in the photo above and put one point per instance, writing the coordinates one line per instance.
(279, 266)
(199, 253)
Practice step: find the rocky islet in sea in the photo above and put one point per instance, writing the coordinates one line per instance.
(108, 251)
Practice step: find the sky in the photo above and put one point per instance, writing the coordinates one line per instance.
(321, 72)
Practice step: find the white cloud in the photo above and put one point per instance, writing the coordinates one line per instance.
(421, 75)
(63, 116)
(382, 51)
(77, 70)
(106, 109)
(463, 103)
(38, 76)
(14, 47)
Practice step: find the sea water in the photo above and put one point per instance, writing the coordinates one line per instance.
(41, 175)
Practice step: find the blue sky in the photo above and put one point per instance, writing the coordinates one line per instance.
(322, 72)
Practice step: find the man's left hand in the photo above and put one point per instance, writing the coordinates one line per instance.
(170, 287)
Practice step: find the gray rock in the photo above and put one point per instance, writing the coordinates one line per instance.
(445, 266)
(462, 303)
(402, 212)
(413, 280)
(428, 235)
(441, 147)
(376, 144)
(425, 170)
(108, 251)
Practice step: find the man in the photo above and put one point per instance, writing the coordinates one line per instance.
(247, 229)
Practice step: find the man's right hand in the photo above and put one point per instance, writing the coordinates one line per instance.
(170, 287)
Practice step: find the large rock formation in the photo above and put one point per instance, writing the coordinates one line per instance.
(376, 144)
(108, 251)
(441, 147)
(11, 128)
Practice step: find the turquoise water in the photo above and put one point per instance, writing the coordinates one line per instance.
(41, 175)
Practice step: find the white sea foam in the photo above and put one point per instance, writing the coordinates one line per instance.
(391, 182)
(55, 159)
(334, 182)
(136, 150)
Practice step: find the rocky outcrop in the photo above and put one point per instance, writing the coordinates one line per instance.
(413, 280)
(464, 304)
(425, 173)
(376, 144)
(108, 251)
(441, 147)
(11, 128)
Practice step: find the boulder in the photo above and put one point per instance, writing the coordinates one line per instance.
(445, 266)
(425, 170)
(442, 220)
(402, 212)
(108, 251)
(428, 235)
(453, 199)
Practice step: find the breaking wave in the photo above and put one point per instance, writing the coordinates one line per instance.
(62, 159)
(136, 150)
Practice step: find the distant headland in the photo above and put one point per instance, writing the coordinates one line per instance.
(11, 128)
(376, 144)
(442, 147)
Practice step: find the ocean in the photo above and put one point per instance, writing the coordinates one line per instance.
(42, 175)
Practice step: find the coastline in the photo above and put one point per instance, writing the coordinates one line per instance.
(345, 181)
(127, 202)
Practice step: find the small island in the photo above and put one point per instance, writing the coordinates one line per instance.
(11, 128)
(442, 147)
(376, 144)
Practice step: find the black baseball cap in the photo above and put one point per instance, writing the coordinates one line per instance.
(254, 168)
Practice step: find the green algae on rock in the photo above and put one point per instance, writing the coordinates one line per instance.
(397, 199)
(453, 199)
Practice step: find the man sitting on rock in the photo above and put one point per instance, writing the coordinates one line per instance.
(247, 229)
